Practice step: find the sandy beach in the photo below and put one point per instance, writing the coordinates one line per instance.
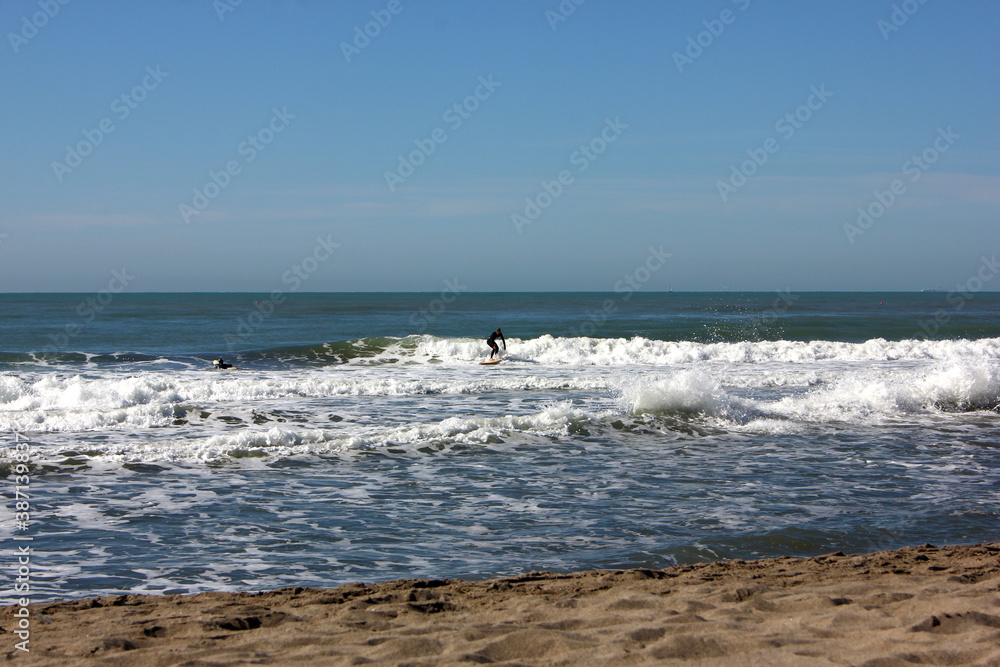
(918, 605)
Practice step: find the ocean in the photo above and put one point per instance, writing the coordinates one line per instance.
(359, 439)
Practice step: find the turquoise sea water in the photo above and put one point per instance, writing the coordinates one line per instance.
(178, 324)
(359, 438)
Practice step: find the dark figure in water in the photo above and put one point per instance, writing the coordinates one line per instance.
(492, 342)
(221, 364)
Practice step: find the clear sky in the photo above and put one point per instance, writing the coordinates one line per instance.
(200, 145)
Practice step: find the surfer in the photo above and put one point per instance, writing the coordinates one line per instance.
(221, 363)
(492, 342)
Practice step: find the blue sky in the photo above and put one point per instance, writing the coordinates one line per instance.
(644, 140)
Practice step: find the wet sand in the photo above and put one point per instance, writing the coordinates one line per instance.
(919, 605)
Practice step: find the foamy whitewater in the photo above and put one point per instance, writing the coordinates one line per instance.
(684, 430)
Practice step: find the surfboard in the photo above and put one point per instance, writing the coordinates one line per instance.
(489, 362)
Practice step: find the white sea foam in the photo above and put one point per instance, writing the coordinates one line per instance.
(769, 386)
(865, 395)
(81, 403)
(858, 395)
(549, 350)
(283, 441)
(687, 391)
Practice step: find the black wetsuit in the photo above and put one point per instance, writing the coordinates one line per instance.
(492, 342)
